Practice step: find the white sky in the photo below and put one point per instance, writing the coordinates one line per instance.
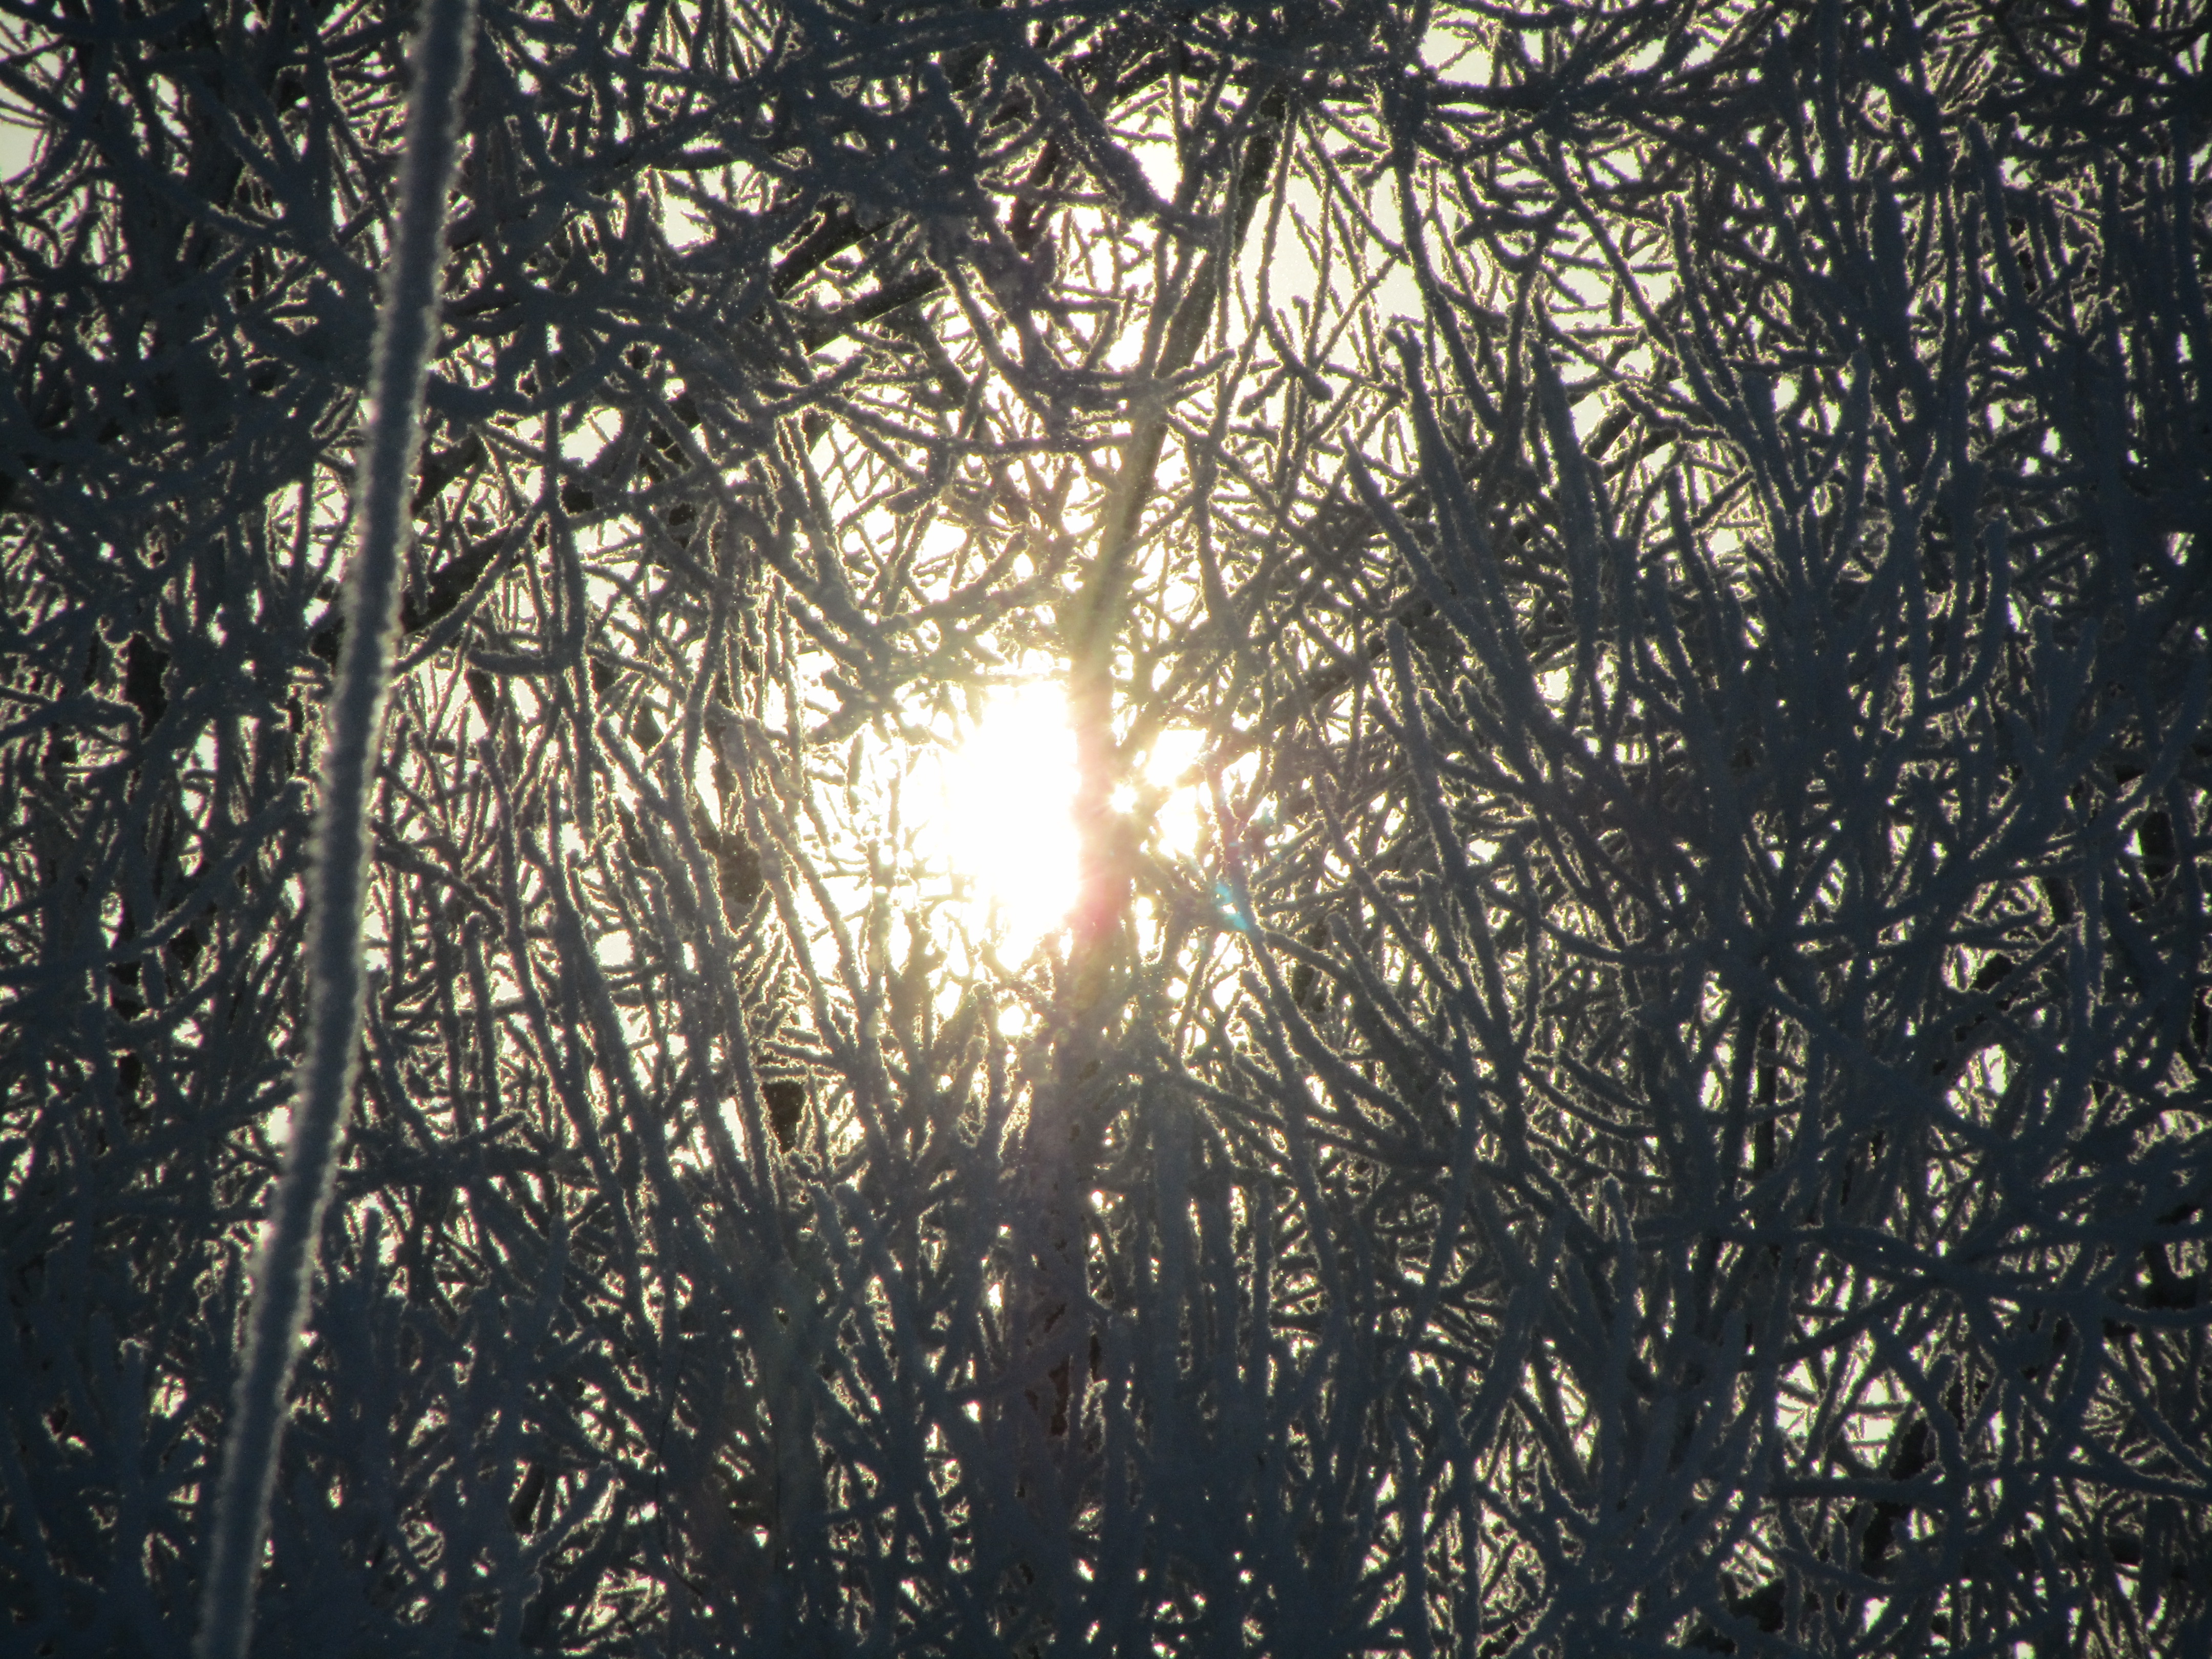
(17, 135)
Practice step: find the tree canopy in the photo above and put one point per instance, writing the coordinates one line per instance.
(1622, 1067)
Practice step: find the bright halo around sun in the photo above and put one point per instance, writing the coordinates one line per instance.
(1175, 797)
(1002, 821)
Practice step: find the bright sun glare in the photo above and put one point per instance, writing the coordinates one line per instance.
(999, 816)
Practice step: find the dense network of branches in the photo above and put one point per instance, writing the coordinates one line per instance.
(1668, 1110)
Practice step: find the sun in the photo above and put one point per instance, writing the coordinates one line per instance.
(1000, 820)
(995, 811)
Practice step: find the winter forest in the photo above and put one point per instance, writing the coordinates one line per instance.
(1356, 827)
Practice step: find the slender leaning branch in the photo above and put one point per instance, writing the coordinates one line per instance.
(284, 1266)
